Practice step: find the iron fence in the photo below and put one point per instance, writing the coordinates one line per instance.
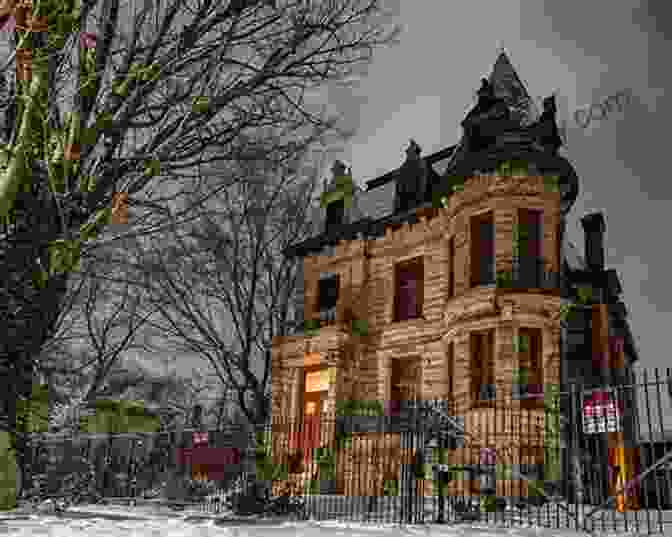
(424, 462)
(606, 468)
(132, 465)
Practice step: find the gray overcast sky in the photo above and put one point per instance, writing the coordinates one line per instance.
(423, 87)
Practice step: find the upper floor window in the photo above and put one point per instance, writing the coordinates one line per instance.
(409, 290)
(528, 241)
(451, 371)
(482, 249)
(328, 297)
(451, 267)
(482, 347)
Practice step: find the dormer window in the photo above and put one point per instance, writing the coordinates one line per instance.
(336, 196)
(328, 297)
(335, 215)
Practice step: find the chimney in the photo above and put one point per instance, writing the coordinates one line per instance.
(593, 228)
(411, 179)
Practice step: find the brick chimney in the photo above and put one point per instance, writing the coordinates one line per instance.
(594, 227)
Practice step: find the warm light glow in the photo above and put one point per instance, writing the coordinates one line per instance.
(317, 381)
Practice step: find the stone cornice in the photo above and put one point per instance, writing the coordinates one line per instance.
(506, 307)
(480, 187)
(547, 308)
(329, 340)
(418, 332)
(471, 306)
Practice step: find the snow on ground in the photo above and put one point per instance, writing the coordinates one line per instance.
(143, 523)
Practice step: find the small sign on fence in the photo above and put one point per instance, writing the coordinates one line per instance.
(601, 414)
(200, 438)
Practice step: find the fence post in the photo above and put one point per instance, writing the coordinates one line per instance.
(576, 415)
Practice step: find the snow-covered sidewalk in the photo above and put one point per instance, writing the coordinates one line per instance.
(147, 522)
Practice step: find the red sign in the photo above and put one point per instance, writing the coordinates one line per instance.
(601, 413)
(204, 455)
(200, 438)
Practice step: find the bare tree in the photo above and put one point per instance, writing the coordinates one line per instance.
(223, 289)
(98, 325)
(137, 127)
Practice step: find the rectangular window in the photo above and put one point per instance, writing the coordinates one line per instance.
(409, 290)
(404, 383)
(529, 249)
(451, 267)
(482, 249)
(482, 349)
(328, 298)
(396, 393)
(530, 223)
(451, 371)
(529, 359)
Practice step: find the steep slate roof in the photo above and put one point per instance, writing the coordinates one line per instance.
(377, 201)
(508, 86)
(572, 256)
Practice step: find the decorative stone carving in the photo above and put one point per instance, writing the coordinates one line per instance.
(507, 311)
(468, 311)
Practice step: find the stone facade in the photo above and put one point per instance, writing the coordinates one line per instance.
(366, 269)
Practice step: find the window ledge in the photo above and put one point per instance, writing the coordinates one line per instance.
(420, 318)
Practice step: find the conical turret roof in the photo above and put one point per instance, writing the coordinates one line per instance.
(508, 86)
(505, 125)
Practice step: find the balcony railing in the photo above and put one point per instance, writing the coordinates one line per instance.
(528, 273)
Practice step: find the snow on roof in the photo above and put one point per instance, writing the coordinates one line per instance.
(378, 202)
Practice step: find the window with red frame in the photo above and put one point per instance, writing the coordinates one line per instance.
(451, 371)
(482, 249)
(409, 276)
(530, 260)
(482, 346)
(451, 267)
(529, 359)
(404, 383)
